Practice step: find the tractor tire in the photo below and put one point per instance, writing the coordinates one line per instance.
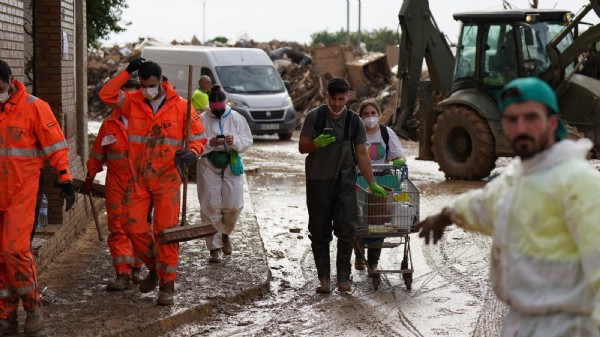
(463, 144)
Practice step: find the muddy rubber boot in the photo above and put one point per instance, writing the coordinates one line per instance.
(165, 296)
(373, 258)
(344, 286)
(9, 327)
(359, 259)
(149, 283)
(121, 283)
(215, 256)
(136, 276)
(227, 248)
(324, 286)
(34, 321)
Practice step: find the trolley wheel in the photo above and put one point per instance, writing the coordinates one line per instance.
(376, 279)
(406, 276)
(407, 280)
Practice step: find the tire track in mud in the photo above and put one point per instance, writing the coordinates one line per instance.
(450, 263)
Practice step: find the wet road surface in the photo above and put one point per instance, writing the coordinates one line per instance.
(450, 293)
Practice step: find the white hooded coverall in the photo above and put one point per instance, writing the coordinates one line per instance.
(544, 216)
(220, 192)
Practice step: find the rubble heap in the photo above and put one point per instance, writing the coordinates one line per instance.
(307, 69)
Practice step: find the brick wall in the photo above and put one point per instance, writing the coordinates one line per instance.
(58, 66)
(55, 83)
(11, 35)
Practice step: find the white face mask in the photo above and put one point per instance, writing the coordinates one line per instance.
(371, 122)
(150, 93)
(4, 96)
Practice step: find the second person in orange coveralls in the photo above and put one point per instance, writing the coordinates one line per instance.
(110, 148)
(157, 120)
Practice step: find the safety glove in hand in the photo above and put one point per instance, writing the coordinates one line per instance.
(68, 193)
(134, 65)
(88, 184)
(399, 162)
(434, 225)
(377, 190)
(323, 140)
(183, 159)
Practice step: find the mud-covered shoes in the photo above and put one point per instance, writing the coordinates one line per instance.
(8, 327)
(121, 283)
(215, 256)
(136, 275)
(324, 286)
(344, 286)
(165, 295)
(34, 321)
(227, 248)
(149, 283)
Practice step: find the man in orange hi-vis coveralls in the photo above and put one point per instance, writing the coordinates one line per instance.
(157, 121)
(110, 148)
(29, 134)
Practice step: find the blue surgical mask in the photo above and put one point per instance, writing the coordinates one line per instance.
(4, 96)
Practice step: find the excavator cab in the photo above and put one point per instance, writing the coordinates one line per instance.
(496, 47)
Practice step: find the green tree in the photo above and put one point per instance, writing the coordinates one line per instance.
(375, 40)
(104, 17)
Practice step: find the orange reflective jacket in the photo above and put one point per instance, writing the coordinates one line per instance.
(29, 133)
(110, 147)
(153, 138)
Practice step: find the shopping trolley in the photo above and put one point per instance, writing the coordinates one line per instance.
(386, 222)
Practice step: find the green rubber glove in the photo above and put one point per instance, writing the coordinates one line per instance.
(323, 140)
(399, 162)
(377, 190)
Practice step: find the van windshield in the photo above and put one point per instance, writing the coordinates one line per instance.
(250, 79)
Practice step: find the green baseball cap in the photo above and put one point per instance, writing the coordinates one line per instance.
(532, 89)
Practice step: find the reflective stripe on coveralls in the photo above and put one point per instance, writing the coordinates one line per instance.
(153, 140)
(28, 129)
(118, 190)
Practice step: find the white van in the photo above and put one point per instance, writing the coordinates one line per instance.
(251, 82)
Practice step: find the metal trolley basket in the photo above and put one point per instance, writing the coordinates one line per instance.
(387, 222)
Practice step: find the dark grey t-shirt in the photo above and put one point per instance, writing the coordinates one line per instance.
(327, 162)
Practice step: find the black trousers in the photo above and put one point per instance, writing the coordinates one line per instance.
(332, 209)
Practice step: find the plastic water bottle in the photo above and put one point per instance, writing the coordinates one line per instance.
(43, 215)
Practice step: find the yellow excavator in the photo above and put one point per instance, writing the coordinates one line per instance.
(454, 114)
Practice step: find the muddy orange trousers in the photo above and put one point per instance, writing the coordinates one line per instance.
(119, 244)
(18, 277)
(165, 195)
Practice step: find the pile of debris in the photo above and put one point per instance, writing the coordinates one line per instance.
(307, 69)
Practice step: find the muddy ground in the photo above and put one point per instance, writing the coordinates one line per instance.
(450, 293)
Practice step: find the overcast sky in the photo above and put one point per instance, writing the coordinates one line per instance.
(286, 20)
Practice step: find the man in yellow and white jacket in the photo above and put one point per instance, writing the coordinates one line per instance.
(543, 213)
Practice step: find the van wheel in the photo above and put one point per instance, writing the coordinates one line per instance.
(285, 135)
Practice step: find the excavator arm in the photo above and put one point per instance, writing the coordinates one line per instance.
(585, 42)
(420, 39)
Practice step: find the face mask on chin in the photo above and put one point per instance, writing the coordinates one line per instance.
(337, 113)
(4, 96)
(371, 122)
(150, 93)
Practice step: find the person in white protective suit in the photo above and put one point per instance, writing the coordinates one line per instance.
(542, 212)
(219, 178)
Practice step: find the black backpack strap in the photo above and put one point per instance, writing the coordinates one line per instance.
(319, 122)
(351, 129)
(386, 139)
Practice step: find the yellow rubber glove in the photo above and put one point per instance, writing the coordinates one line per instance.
(324, 140)
(377, 190)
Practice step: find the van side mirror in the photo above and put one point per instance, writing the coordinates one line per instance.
(528, 34)
(288, 86)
